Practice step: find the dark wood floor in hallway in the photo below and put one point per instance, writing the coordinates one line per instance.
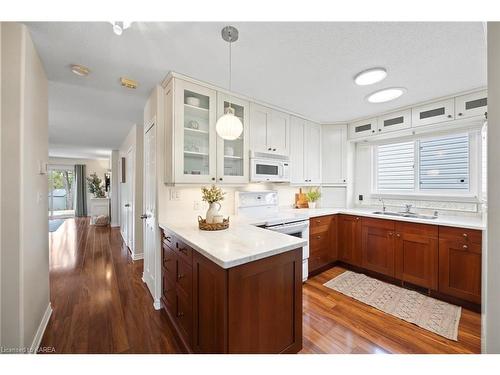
(99, 302)
(101, 305)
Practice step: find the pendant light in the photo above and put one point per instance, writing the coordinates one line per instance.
(228, 125)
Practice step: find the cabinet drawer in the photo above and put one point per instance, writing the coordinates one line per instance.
(168, 239)
(184, 251)
(320, 221)
(319, 259)
(320, 241)
(460, 234)
(169, 259)
(184, 276)
(183, 315)
(377, 223)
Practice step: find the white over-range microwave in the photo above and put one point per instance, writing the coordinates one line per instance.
(269, 167)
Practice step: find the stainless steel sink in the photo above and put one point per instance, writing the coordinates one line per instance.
(405, 214)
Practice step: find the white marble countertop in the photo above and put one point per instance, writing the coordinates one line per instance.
(447, 220)
(241, 243)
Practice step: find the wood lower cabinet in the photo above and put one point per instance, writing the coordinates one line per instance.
(252, 308)
(377, 246)
(416, 254)
(460, 263)
(322, 242)
(349, 239)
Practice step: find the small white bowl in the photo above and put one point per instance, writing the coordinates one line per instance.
(191, 100)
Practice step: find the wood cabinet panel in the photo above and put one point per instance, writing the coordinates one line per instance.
(183, 314)
(377, 248)
(169, 261)
(184, 277)
(460, 234)
(184, 251)
(349, 239)
(416, 254)
(460, 269)
(209, 306)
(276, 326)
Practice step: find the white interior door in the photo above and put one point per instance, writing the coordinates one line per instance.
(151, 261)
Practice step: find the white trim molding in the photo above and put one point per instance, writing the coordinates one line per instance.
(41, 330)
(137, 256)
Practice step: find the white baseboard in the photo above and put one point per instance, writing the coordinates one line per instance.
(114, 225)
(41, 329)
(137, 256)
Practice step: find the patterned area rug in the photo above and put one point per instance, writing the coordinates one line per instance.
(426, 312)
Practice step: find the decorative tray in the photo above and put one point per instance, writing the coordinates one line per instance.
(203, 225)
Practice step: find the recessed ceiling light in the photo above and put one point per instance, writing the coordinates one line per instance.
(386, 95)
(370, 76)
(80, 70)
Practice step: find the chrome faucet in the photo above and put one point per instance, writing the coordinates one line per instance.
(383, 204)
(408, 208)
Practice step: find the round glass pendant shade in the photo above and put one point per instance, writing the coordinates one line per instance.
(229, 126)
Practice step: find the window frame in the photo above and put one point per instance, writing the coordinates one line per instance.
(471, 195)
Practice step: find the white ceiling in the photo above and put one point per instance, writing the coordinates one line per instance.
(304, 67)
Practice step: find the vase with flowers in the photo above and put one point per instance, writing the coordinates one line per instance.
(213, 196)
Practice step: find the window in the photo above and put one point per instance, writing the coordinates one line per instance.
(427, 165)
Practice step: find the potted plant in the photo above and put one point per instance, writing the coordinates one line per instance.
(312, 197)
(212, 196)
(95, 186)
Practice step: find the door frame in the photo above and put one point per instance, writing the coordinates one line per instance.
(153, 280)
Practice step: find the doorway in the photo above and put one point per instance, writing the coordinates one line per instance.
(61, 192)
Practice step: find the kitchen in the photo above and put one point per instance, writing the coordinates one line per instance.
(264, 201)
(402, 201)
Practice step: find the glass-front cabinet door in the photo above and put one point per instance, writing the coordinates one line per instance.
(233, 156)
(195, 138)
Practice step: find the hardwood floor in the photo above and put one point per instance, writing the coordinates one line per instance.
(335, 323)
(101, 305)
(99, 302)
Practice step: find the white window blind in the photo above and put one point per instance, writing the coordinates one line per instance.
(395, 167)
(444, 163)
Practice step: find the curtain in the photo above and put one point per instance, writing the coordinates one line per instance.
(81, 190)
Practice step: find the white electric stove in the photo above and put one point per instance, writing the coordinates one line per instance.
(263, 206)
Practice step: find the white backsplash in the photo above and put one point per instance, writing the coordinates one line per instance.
(189, 203)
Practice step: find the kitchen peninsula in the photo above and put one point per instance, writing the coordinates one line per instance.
(232, 291)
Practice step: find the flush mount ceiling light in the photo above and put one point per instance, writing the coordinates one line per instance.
(128, 83)
(119, 27)
(80, 70)
(370, 76)
(228, 125)
(386, 95)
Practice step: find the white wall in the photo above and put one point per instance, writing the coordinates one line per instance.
(24, 222)
(135, 140)
(115, 188)
(99, 166)
(491, 274)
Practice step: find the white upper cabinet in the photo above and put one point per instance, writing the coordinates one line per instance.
(312, 152)
(195, 116)
(433, 113)
(269, 130)
(334, 154)
(363, 128)
(297, 126)
(394, 121)
(305, 152)
(470, 105)
(233, 156)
